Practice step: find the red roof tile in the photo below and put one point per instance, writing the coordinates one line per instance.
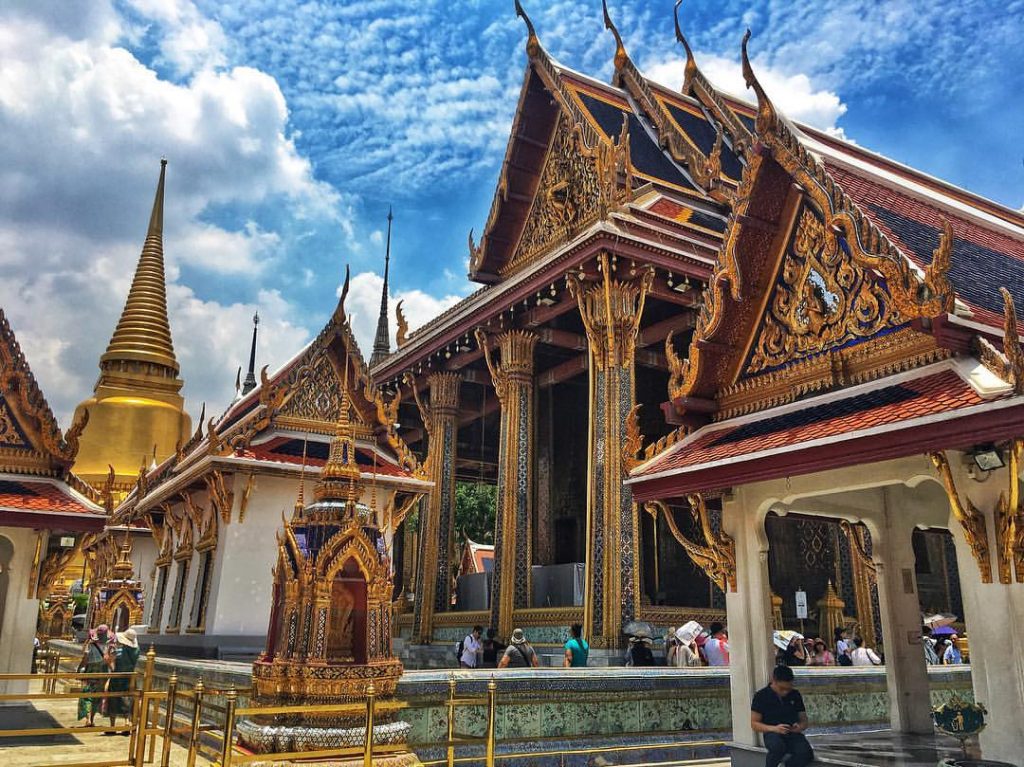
(821, 419)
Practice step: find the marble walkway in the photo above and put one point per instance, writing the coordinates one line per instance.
(64, 749)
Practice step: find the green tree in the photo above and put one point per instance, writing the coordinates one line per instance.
(475, 505)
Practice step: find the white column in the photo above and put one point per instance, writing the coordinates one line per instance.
(994, 614)
(906, 672)
(749, 612)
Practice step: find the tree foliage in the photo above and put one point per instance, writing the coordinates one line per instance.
(475, 505)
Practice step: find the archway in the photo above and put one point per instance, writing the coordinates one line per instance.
(346, 625)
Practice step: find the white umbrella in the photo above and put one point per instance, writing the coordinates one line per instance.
(938, 620)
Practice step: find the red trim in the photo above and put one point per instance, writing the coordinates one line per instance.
(40, 520)
(952, 433)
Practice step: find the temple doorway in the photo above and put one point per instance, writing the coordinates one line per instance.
(346, 622)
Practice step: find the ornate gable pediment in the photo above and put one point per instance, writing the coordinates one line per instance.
(821, 300)
(30, 439)
(315, 395)
(581, 181)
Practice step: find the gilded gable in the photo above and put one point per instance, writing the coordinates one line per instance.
(316, 394)
(821, 300)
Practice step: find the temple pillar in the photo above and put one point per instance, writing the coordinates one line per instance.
(906, 672)
(749, 610)
(513, 528)
(611, 310)
(433, 587)
(543, 535)
(993, 611)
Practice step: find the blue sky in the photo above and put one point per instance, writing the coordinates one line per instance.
(290, 128)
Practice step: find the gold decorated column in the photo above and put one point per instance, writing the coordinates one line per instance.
(513, 533)
(433, 588)
(611, 307)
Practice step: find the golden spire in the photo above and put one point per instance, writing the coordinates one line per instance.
(143, 333)
(340, 476)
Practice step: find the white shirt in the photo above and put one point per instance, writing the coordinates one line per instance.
(717, 652)
(865, 656)
(470, 647)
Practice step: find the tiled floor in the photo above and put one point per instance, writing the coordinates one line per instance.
(886, 749)
(64, 749)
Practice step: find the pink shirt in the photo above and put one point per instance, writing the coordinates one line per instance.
(716, 650)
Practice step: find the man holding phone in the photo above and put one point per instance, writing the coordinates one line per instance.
(778, 713)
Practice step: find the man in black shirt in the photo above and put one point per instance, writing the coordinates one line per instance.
(778, 713)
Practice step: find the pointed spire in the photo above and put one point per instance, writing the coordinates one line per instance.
(143, 333)
(340, 476)
(250, 376)
(621, 57)
(382, 341)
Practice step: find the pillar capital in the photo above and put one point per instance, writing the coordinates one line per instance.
(516, 348)
(444, 391)
(611, 308)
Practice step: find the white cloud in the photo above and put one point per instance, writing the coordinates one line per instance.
(363, 306)
(794, 95)
(84, 123)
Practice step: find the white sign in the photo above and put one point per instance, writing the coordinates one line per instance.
(801, 605)
(67, 541)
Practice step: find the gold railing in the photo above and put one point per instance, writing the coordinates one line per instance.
(179, 715)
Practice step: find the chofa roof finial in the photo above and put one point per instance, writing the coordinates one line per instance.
(691, 62)
(621, 57)
(766, 114)
(532, 41)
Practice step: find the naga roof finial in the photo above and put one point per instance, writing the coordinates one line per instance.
(339, 312)
(621, 57)
(532, 41)
(766, 114)
(691, 62)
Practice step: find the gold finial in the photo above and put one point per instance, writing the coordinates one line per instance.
(340, 475)
(691, 62)
(339, 312)
(143, 333)
(766, 114)
(621, 57)
(300, 502)
(532, 41)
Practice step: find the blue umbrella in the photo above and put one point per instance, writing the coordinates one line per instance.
(943, 631)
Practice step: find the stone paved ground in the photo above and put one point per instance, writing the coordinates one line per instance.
(66, 749)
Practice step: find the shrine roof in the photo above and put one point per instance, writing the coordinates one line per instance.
(46, 504)
(986, 255)
(482, 554)
(882, 419)
(289, 450)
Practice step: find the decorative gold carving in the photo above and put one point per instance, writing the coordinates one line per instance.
(611, 310)
(53, 565)
(972, 522)
(935, 276)
(182, 527)
(476, 253)
(1009, 518)
(659, 615)
(315, 394)
(516, 347)
(634, 441)
(822, 300)
(220, 488)
(580, 183)
(717, 557)
(402, 335)
(1008, 365)
(387, 417)
(243, 503)
(855, 535)
(444, 392)
(204, 519)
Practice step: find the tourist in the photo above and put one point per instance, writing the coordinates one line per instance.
(639, 651)
(716, 648)
(93, 661)
(519, 654)
(951, 656)
(863, 656)
(671, 646)
(777, 712)
(687, 655)
(843, 647)
(821, 655)
(795, 654)
(122, 656)
(928, 643)
(577, 651)
(472, 649)
(492, 649)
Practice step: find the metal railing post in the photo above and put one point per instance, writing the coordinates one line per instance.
(231, 701)
(139, 754)
(197, 711)
(492, 689)
(451, 720)
(371, 694)
(172, 702)
(147, 685)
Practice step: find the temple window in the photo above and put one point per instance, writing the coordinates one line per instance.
(156, 611)
(178, 597)
(201, 597)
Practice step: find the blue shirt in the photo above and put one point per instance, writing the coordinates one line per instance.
(580, 651)
(952, 655)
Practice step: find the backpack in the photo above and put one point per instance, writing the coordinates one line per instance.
(459, 648)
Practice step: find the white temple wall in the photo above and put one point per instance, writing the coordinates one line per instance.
(18, 621)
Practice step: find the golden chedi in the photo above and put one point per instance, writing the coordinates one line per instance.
(136, 407)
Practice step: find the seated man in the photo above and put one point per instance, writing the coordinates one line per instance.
(778, 713)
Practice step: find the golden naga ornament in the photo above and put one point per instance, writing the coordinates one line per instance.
(971, 520)
(717, 557)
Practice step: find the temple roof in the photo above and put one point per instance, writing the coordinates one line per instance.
(945, 405)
